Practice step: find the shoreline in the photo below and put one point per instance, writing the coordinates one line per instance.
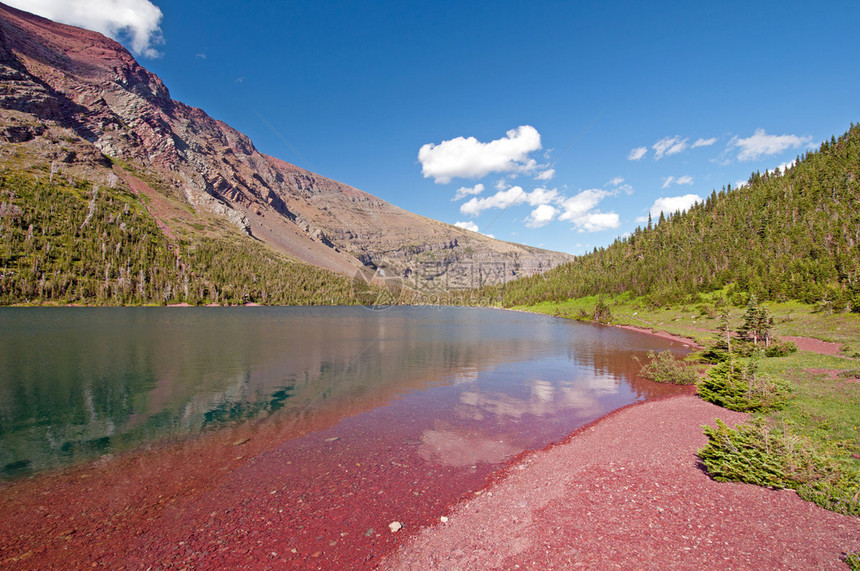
(618, 494)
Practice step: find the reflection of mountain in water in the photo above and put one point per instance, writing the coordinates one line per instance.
(79, 383)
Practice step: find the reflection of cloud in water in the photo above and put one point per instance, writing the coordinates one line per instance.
(601, 384)
(455, 448)
(465, 376)
(545, 399)
(542, 391)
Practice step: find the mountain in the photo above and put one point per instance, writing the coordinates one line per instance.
(790, 234)
(76, 106)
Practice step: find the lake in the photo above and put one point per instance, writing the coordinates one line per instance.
(77, 383)
(323, 423)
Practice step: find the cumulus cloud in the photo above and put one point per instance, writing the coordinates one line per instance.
(668, 146)
(502, 199)
(670, 180)
(597, 221)
(783, 167)
(548, 204)
(704, 142)
(467, 157)
(137, 20)
(579, 209)
(545, 175)
(760, 144)
(637, 153)
(465, 191)
(507, 198)
(467, 225)
(671, 204)
(541, 196)
(579, 205)
(541, 216)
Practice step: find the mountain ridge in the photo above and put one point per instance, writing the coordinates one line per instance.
(59, 75)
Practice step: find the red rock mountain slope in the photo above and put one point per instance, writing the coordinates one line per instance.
(80, 102)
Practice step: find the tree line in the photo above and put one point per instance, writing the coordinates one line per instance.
(791, 234)
(76, 243)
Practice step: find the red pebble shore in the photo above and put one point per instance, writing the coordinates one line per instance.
(629, 492)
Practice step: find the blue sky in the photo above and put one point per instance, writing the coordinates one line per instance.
(553, 124)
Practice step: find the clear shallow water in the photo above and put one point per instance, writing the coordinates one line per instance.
(483, 385)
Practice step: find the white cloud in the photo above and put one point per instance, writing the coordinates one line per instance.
(597, 221)
(621, 186)
(507, 198)
(670, 180)
(541, 196)
(704, 142)
(550, 205)
(760, 144)
(671, 204)
(469, 158)
(579, 205)
(637, 153)
(783, 167)
(668, 146)
(541, 216)
(465, 191)
(138, 20)
(467, 225)
(545, 175)
(502, 199)
(579, 209)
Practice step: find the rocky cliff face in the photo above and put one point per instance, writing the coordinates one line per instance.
(57, 79)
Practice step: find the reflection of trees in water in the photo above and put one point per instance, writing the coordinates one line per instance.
(613, 352)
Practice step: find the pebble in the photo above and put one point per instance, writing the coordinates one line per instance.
(395, 526)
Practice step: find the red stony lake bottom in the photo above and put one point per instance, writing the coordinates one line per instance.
(357, 420)
(264, 495)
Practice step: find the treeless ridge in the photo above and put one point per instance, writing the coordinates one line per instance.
(629, 492)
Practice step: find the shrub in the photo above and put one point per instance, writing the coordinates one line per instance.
(706, 310)
(740, 388)
(780, 349)
(754, 454)
(601, 311)
(665, 368)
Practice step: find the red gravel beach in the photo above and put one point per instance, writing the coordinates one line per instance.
(628, 492)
